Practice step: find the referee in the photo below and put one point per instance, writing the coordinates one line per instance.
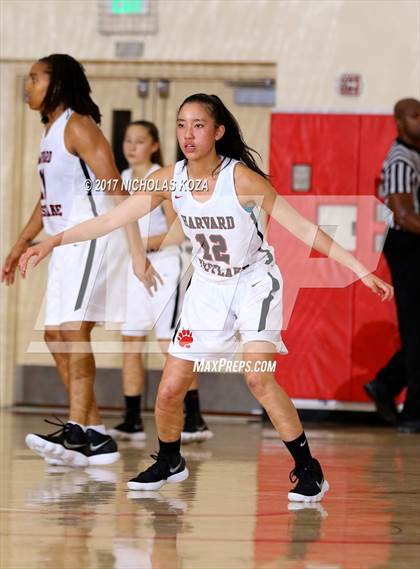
(401, 191)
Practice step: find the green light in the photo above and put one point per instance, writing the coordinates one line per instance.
(127, 6)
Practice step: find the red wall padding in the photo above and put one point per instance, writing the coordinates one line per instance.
(337, 337)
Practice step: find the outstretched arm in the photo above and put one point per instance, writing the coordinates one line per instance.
(174, 235)
(84, 139)
(128, 211)
(249, 184)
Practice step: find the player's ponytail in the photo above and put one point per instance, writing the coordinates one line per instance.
(68, 86)
(232, 144)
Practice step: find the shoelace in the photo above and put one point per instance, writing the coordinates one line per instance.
(159, 465)
(299, 472)
(293, 476)
(156, 465)
(59, 424)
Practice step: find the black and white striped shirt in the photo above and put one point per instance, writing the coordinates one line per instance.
(401, 174)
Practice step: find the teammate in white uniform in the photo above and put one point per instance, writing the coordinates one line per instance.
(236, 288)
(163, 234)
(73, 150)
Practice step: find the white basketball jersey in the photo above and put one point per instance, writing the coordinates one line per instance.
(225, 237)
(154, 223)
(65, 198)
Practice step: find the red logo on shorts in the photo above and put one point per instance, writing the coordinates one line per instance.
(185, 338)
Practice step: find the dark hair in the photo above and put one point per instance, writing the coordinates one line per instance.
(232, 144)
(68, 86)
(152, 129)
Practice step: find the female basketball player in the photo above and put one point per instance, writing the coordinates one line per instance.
(162, 229)
(73, 153)
(236, 286)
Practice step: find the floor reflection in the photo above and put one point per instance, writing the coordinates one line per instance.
(67, 502)
(149, 522)
(232, 513)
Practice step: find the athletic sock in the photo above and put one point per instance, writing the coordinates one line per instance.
(133, 406)
(299, 449)
(171, 451)
(98, 428)
(192, 403)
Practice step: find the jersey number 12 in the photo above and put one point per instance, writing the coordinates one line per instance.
(218, 248)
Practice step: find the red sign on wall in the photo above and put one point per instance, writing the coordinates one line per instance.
(350, 84)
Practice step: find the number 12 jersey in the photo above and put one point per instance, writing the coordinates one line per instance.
(225, 236)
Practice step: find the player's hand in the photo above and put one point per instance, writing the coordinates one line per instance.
(10, 265)
(378, 286)
(39, 251)
(146, 273)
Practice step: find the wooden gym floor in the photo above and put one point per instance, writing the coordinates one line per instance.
(232, 513)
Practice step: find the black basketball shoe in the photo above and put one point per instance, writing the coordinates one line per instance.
(67, 445)
(159, 473)
(101, 449)
(195, 430)
(407, 426)
(129, 430)
(311, 485)
(378, 392)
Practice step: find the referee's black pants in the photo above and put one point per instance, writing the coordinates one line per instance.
(402, 252)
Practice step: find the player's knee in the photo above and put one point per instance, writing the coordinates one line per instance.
(168, 396)
(75, 335)
(52, 336)
(257, 384)
(67, 336)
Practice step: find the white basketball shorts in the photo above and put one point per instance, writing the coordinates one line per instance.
(159, 312)
(85, 281)
(216, 315)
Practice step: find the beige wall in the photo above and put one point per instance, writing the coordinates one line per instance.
(312, 41)
(309, 41)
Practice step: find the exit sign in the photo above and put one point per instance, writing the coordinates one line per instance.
(128, 6)
(124, 17)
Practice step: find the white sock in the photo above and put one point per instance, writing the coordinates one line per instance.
(74, 423)
(98, 428)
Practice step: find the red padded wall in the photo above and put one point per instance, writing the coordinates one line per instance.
(337, 337)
